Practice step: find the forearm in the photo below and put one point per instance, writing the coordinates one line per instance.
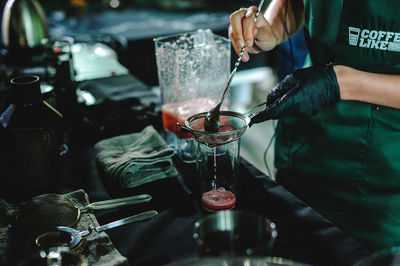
(380, 89)
(269, 30)
(277, 14)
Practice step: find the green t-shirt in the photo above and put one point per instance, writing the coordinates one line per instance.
(358, 33)
(345, 161)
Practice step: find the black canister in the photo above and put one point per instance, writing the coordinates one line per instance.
(32, 139)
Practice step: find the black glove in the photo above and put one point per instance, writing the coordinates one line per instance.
(302, 93)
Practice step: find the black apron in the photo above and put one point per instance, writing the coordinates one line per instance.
(345, 161)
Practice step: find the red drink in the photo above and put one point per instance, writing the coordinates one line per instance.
(169, 120)
(178, 112)
(218, 199)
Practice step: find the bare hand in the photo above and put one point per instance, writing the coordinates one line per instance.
(257, 37)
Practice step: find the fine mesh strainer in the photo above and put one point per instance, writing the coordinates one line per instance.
(232, 126)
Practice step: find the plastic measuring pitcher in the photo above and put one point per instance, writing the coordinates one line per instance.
(192, 71)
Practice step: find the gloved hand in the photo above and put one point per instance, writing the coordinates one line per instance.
(302, 93)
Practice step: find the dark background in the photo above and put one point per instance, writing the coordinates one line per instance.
(147, 19)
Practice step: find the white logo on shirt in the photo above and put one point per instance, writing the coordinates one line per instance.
(374, 39)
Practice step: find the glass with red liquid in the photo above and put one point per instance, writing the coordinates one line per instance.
(217, 165)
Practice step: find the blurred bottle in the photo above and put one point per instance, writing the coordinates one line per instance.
(65, 88)
(30, 140)
(23, 28)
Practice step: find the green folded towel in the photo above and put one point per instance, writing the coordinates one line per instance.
(135, 159)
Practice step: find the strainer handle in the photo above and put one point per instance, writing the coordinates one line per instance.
(255, 110)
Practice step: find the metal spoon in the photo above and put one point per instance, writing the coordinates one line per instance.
(211, 120)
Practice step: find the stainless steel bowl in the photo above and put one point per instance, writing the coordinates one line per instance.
(389, 257)
(234, 233)
(243, 261)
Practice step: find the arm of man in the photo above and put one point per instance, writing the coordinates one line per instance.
(269, 29)
(380, 89)
(305, 92)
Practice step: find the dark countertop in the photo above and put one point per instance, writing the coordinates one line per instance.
(303, 235)
(130, 32)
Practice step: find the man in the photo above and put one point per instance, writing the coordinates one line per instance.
(338, 134)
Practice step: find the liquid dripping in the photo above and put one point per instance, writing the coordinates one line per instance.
(215, 168)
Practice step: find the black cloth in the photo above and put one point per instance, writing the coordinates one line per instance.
(123, 104)
(303, 235)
